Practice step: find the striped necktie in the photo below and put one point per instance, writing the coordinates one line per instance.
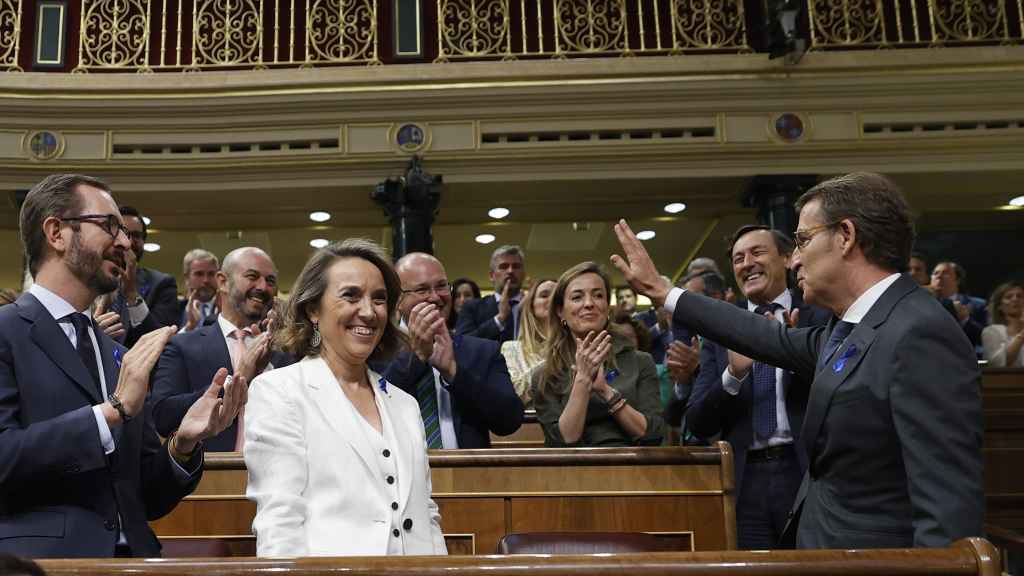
(427, 396)
(766, 418)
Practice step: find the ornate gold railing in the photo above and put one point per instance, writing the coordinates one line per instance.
(10, 34)
(201, 34)
(853, 23)
(509, 29)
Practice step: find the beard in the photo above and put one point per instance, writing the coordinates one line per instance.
(87, 266)
(240, 302)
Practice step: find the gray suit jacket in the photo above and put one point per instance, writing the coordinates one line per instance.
(893, 425)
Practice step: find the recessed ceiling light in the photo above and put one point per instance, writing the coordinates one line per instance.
(319, 216)
(485, 238)
(1018, 201)
(318, 243)
(497, 213)
(645, 234)
(147, 220)
(151, 247)
(675, 207)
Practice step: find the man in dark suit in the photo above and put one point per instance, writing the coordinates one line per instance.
(147, 299)
(237, 340)
(755, 407)
(81, 468)
(461, 382)
(972, 313)
(199, 307)
(893, 422)
(494, 317)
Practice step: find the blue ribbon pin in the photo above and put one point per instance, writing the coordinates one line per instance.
(841, 362)
(611, 375)
(118, 355)
(383, 385)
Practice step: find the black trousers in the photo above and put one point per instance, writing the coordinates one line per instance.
(766, 496)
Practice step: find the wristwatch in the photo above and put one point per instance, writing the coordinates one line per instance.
(116, 403)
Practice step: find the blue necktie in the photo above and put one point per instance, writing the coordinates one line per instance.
(764, 410)
(426, 394)
(839, 333)
(84, 348)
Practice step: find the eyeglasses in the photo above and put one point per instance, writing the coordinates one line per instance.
(803, 237)
(108, 222)
(441, 288)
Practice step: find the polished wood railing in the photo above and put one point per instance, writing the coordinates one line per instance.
(682, 494)
(1003, 401)
(966, 557)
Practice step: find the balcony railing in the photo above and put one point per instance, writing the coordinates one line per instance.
(190, 35)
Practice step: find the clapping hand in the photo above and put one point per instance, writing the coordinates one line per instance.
(109, 322)
(682, 360)
(424, 323)
(591, 352)
(211, 414)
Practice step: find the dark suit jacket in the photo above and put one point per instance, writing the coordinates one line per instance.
(184, 372)
(483, 398)
(160, 291)
(60, 495)
(977, 320)
(712, 410)
(893, 424)
(477, 319)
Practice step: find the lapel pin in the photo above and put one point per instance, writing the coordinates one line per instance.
(841, 362)
(118, 355)
(611, 375)
(383, 385)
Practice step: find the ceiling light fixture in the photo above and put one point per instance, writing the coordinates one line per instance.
(318, 243)
(151, 247)
(498, 213)
(147, 220)
(675, 207)
(319, 216)
(1018, 201)
(645, 234)
(485, 238)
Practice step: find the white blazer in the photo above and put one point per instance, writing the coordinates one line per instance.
(314, 478)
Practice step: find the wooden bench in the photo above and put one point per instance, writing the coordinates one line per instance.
(967, 557)
(529, 435)
(685, 495)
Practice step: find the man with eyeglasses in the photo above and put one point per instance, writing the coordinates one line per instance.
(82, 471)
(461, 382)
(893, 422)
(146, 299)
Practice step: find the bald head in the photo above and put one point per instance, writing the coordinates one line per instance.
(247, 283)
(423, 280)
(243, 254)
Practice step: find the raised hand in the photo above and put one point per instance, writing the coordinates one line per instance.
(637, 266)
(211, 414)
(192, 311)
(109, 322)
(443, 355)
(505, 306)
(256, 356)
(133, 379)
(425, 320)
(682, 360)
(130, 280)
(792, 317)
(591, 352)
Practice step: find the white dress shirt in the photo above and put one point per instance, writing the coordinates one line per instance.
(444, 406)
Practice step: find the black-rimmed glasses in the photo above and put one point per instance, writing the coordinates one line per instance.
(110, 223)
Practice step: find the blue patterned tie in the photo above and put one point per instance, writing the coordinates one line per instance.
(765, 417)
(427, 396)
(839, 333)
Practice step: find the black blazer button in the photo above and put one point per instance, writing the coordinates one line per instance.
(394, 505)
(391, 479)
(407, 524)
(396, 533)
(387, 453)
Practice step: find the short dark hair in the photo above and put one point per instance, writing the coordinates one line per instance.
(472, 285)
(960, 271)
(878, 210)
(624, 287)
(713, 282)
(783, 243)
(920, 256)
(56, 195)
(296, 336)
(133, 211)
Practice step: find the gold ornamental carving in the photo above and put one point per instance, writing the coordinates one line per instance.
(708, 24)
(342, 31)
(474, 28)
(590, 26)
(969, 20)
(846, 22)
(114, 34)
(227, 33)
(10, 32)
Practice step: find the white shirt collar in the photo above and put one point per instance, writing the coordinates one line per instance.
(785, 299)
(227, 329)
(862, 305)
(55, 305)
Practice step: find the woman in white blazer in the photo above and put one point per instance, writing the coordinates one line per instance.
(337, 457)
